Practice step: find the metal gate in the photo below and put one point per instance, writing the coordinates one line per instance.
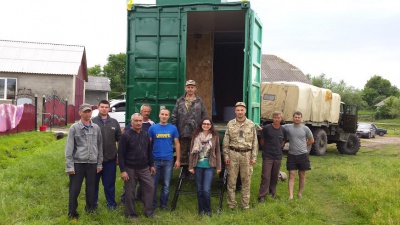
(55, 110)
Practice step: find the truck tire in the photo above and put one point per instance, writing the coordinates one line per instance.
(350, 147)
(320, 142)
(381, 133)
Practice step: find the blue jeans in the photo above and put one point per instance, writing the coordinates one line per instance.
(204, 178)
(108, 177)
(164, 169)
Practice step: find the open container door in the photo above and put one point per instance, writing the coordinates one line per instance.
(252, 68)
(155, 52)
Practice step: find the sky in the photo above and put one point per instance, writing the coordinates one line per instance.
(349, 40)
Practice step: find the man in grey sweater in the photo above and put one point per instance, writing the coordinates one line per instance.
(84, 157)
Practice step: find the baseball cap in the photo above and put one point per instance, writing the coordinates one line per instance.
(85, 107)
(190, 82)
(240, 104)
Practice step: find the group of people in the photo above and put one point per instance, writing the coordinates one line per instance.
(145, 154)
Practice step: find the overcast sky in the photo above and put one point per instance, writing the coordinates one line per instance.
(349, 40)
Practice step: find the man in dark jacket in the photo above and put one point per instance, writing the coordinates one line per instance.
(136, 164)
(189, 110)
(111, 132)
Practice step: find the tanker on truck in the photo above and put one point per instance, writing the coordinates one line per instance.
(216, 43)
(330, 120)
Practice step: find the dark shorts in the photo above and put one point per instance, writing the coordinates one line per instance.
(298, 162)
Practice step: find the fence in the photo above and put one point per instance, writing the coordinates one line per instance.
(27, 122)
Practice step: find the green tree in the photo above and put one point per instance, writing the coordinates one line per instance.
(115, 70)
(95, 71)
(377, 89)
(390, 109)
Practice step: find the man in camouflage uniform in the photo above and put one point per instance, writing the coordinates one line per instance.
(188, 112)
(240, 153)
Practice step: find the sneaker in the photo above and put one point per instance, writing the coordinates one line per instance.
(273, 196)
(152, 215)
(208, 214)
(261, 199)
(163, 208)
(73, 216)
(299, 196)
(132, 217)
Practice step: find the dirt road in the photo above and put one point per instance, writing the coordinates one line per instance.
(379, 141)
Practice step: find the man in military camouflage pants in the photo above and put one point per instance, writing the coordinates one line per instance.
(188, 112)
(240, 153)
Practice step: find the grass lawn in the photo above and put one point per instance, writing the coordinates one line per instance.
(340, 189)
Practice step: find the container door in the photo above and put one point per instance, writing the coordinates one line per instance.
(252, 66)
(155, 52)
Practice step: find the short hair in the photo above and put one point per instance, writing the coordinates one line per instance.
(298, 113)
(145, 105)
(165, 109)
(104, 102)
(136, 114)
(275, 113)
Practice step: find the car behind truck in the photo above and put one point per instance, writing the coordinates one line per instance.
(323, 112)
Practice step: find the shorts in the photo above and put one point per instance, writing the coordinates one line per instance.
(298, 162)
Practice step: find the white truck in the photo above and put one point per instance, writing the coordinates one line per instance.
(323, 112)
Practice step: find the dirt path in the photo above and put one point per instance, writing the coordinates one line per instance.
(379, 141)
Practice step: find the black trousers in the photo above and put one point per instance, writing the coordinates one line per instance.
(87, 171)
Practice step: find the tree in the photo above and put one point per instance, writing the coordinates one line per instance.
(115, 70)
(95, 71)
(390, 109)
(377, 89)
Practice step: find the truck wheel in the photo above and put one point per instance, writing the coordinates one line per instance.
(381, 133)
(320, 142)
(350, 147)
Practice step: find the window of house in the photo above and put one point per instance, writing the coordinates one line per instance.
(8, 88)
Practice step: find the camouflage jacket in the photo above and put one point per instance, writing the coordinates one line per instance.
(241, 136)
(187, 120)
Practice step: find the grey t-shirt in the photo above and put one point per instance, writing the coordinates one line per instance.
(297, 136)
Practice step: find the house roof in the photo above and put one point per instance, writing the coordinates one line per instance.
(275, 69)
(381, 103)
(41, 58)
(98, 84)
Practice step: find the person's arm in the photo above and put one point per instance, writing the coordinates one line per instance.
(122, 146)
(203, 110)
(178, 153)
(218, 154)
(191, 169)
(174, 115)
(69, 150)
(310, 141)
(310, 137)
(254, 149)
(225, 145)
(100, 150)
(118, 132)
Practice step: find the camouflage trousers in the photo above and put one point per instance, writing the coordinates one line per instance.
(185, 150)
(239, 161)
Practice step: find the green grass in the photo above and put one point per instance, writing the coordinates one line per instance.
(12, 146)
(340, 189)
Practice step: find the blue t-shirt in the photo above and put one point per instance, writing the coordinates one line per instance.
(163, 137)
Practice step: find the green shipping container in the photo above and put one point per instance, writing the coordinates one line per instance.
(216, 44)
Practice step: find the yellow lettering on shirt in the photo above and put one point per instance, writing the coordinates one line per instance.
(163, 135)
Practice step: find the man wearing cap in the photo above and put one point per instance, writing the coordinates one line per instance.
(188, 112)
(240, 147)
(84, 157)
